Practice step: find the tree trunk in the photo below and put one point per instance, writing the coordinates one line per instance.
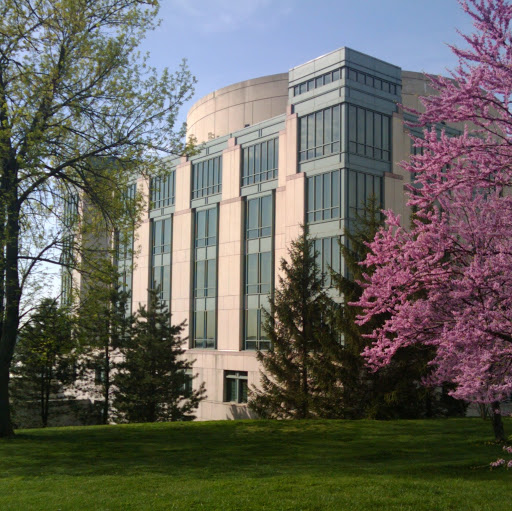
(106, 384)
(41, 397)
(497, 423)
(47, 382)
(12, 301)
(6, 429)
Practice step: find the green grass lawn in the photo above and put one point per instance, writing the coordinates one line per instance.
(246, 465)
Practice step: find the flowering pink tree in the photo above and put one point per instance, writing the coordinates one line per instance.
(446, 281)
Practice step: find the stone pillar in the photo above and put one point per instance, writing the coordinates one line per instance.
(229, 279)
(290, 199)
(182, 251)
(401, 150)
(141, 252)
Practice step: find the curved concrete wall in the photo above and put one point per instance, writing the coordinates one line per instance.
(415, 85)
(236, 106)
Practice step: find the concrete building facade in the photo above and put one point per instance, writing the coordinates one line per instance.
(307, 146)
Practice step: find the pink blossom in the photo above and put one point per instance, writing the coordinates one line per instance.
(446, 281)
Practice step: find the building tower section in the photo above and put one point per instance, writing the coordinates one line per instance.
(307, 146)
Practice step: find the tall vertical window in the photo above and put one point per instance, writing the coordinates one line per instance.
(360, 188)
(328, 255)
(205, 278)
(70, 213)
(369, 133)
(320, 133)
(124, 249)
(161, 235)
(67, 258)
(207, 177)
(69, 219)
(324, 196)
(163, 190)
(258, 268)
(260, 162)
(235, 386)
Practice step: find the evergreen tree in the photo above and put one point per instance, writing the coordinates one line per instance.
(153, 383)
(103, 323)
(395, 391)
(44, 358)
(299, 330)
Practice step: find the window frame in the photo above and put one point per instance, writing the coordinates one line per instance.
(241, 379)
(207, 177)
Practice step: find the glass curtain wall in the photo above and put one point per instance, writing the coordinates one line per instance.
(205, 279)
(124, 253)
(258, 269)
(161, 236)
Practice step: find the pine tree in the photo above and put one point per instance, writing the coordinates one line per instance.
(153, 380)
(298, 328)
(103, 323)
(44, 358)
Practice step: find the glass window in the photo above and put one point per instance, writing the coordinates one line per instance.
(200, 278)
(199, 325)
(258, 273)
(255, 337)
(205, 278)
(162, 190)
(368, 133)
(320, 133)
(161, 234)
(207, 177)
(210, 325)
(252, 273)
(251, 324)
(206, 227)
(235, 386)
(204, 329)
(265, 272)
(323, 196)
(259, 217)
(360, 188)
(328, 256)
(260, 162)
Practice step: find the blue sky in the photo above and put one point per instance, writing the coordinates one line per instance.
(226, 41)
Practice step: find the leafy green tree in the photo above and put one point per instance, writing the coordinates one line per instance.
(44, 358)
(153, 383)
(73, 92)
(293, 383)
(396, 391)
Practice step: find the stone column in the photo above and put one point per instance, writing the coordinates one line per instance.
(290, 199)
(182, 251)
(229, 283)
(141, 252)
